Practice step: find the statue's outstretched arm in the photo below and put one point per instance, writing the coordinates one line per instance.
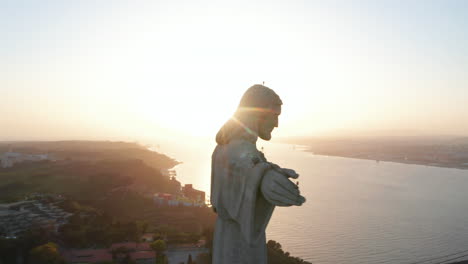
(279, 190)
(290, 173)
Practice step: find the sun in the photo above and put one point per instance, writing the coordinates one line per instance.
(186, 112)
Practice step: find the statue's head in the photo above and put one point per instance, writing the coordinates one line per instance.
(256, 115)
(262, 106)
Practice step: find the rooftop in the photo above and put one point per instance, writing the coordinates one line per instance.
(87, 256)
(132, 246)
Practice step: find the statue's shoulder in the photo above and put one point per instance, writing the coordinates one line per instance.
(242, 153)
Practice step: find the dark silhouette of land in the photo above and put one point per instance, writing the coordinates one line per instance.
(444, 151)
(90, 151)
(84, 170)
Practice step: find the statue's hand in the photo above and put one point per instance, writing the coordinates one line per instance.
(280, 191)
(290, 173)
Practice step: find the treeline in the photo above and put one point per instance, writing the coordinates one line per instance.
(91, 150)
(276, 255)
(94, 227)
(91, 227)
(19, 250)
(81, 179)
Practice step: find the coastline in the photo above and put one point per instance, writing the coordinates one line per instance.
(411, 162)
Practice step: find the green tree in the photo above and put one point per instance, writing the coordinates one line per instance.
(276, 255)
(46, 254)
(142, 227)
(159, 247)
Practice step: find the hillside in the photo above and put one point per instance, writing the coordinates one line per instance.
(91, 151)
(85, 169)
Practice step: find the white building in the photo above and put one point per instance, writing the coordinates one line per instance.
(18, 217)
(9, 159)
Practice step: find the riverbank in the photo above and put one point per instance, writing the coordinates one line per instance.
(445, 152)
(395, 160)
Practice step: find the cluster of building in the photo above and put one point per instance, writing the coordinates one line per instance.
(188, 196)
(16, 218)
(193, 194)
(9, 159)
(141, 253)
(181, 195)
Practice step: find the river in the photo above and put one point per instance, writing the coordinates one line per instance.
(357, 211)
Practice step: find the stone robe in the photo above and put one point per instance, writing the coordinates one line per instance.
(243, 213)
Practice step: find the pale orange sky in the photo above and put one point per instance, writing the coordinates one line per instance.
(149, 69)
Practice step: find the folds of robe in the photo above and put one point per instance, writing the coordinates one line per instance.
(243, 213)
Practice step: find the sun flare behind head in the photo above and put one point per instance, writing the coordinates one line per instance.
(192, 112)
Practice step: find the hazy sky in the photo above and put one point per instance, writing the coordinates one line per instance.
(148, 69)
